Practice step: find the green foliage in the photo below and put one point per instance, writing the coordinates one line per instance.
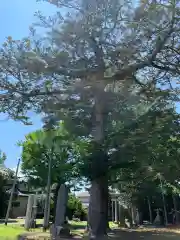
(38, 148)
(6, 176)
(75, 208)
(121, 38)
(152, 144)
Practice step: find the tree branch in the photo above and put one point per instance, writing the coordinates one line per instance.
(165, 68)
(98, 51)
(160, 42)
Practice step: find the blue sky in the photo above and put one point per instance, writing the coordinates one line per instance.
(15, 18)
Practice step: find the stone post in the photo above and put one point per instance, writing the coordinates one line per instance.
(34, 211)
(59, 229)
(137, 219)
(28, 219)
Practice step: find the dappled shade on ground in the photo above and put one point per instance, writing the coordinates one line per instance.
(138, 234)
(78, 229)
(147, 235)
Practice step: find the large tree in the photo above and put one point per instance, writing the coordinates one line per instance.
(86, 68)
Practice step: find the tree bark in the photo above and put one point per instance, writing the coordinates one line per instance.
(55, 201)
(122, 217)
(98, 203)
(150, 210)
(133, 215)
(129, 217)
(98, 208)
(164, 204)
(175, 208)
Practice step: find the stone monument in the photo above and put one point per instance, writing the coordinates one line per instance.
(60, 228)
(29, 212)
(34, 212)
(137, 218)
(157, 220)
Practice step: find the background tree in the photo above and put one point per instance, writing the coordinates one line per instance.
(36, 155)
(75, 208)
(3, 195)
(141, 179)
(6, 180)
(2, 159)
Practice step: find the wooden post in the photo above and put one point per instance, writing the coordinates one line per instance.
(12, 193)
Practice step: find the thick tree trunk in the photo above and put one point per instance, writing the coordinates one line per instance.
(108, 227)
(133, 214)
(165, 210)
(98, 208)
(150, 210)
(129, 217)
(98, 204)
(108, 212)
(164, 204)
(55, 201)
(175, 208)
(122, 217)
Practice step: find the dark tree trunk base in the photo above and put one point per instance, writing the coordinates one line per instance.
(98, 209)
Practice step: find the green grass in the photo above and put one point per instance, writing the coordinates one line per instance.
(83, 224)
(80, 223)
(10, 232)
(113, 225)
(78, 228)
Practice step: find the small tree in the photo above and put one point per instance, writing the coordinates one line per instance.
(75, 208)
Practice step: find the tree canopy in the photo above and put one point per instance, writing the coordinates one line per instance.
(121, 44)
